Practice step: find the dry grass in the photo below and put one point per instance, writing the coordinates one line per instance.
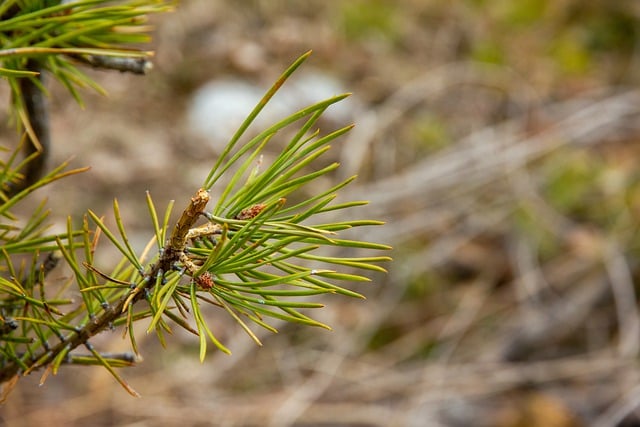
(502, 307)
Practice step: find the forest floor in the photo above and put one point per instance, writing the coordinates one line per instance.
(498, 143)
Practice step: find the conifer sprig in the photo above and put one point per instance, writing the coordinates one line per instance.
(261, 248)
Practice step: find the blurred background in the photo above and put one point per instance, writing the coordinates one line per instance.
(499, 140)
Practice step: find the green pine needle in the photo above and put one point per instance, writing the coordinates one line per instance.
(262, 252)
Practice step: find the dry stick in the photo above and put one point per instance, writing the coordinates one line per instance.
(422, 91)
(495, 152)
(624, 296)
(475, 379)
(171, 254)
(562, 318)
(301, 398)
(618, 411)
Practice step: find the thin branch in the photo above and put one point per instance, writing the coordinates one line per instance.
(178, 240)
(171, 254)
(139, 66)
(617, 412)
(624, 296)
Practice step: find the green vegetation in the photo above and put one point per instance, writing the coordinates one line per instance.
(248, 253)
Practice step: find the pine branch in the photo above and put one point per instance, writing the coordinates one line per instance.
(249, 258)
(173, 253)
